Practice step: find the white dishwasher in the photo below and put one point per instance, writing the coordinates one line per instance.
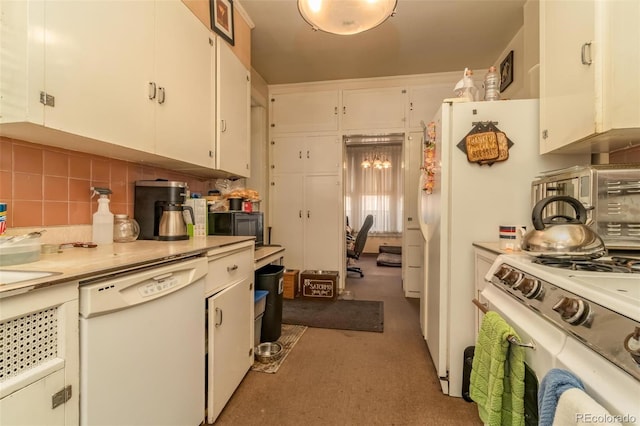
(142, 346)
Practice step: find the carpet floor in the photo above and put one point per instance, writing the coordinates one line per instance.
(344, 377)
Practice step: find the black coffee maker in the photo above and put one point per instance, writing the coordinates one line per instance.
(161, 201)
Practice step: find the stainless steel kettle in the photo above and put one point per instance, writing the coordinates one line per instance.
(172, 225)
(562, 236)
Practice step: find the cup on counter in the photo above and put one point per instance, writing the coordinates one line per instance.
(510, 237)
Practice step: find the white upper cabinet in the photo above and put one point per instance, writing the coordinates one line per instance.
(304, 112)
(233, 113)
(424, 102)
(589, 67)
(305, 153)
(182, 78)
(364, 109)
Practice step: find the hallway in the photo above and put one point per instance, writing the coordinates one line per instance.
(340, 377)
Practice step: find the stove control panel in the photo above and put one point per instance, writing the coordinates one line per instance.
(602, 329)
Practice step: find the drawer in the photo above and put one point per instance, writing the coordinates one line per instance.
(227, 269)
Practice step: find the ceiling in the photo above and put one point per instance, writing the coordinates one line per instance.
(424, 36)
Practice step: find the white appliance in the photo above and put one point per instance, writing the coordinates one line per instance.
(581, 316)
(142, 347)
(468, 203)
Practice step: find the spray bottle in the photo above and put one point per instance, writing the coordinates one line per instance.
(102, 218)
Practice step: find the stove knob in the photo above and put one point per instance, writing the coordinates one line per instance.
(530, 287)
(632, 345)
(573, 311)
(502, 272)
(512, 278)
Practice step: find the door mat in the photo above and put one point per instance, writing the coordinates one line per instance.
(288, 338)
(359, 315)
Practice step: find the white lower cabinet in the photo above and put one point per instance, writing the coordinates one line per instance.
(230, 324)
(39, 363)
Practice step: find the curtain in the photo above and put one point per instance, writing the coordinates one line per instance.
(374, 191)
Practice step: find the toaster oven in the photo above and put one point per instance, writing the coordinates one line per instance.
(610, 193)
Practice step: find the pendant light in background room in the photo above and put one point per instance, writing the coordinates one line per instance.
(346, 17)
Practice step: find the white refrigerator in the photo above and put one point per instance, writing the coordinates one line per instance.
(467, 204)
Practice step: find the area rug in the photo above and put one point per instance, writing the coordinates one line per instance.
(359, 315)
(288, 338)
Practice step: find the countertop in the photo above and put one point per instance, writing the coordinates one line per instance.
(78, 263)
(494, 247)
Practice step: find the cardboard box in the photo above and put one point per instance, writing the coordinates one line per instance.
(320, 285)
(200, 210)
(291, 284)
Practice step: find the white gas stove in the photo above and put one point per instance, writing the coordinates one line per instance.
(583, 317)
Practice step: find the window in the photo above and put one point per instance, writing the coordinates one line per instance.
(375, 191)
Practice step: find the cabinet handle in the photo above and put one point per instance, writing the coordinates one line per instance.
(218, 315)
(300, 214)
(223, 123)
(308, 214)
(300, 155)
(161, 95)
(586, 59)
(344, 110)
(410, 106)
(152, 90)
(307, 153)
(232, 268)
(335, 110)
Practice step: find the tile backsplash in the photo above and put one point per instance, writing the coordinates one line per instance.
(47, 186)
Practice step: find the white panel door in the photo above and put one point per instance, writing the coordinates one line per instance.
(183, 73)
(304, 112)
(322, 154)
(364, 109)
(99, 73)
(287, 224)
(323, 223)
(425, 101)
(31, 405)
(288, 154)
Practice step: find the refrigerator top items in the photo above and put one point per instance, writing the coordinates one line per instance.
(467, 203)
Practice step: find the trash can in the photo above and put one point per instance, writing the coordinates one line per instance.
(269, 278)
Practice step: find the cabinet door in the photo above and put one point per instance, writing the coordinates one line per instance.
(412, 241)
(183, 79)
(322, 154)
(230, 325)
(324, 234)
(31, 405)
(288, 154)
(373, 108)
(567, 85)
(98, 73)
(287, 210)
(234, 100)
(304, 112)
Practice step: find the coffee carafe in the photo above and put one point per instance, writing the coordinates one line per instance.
(172, 221)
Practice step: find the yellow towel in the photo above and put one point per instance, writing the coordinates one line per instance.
(497, 374)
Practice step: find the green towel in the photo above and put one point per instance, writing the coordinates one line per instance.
(497, 374)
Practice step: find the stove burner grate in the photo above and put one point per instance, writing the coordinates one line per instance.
(616, 264)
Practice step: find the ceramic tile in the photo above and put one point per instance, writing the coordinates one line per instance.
(118, 208)
(6, 180)
(56, 213)
(79, 190)
(27, 213)
(80, 166)
(100, 169)
(56, 163)
(56, 188)
(27, 159)
(27, 186)
(80, 213)
(6, 147)
(119, 192)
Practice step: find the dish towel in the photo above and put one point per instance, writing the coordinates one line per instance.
(554, 383)
(575, 407)
(497, 374)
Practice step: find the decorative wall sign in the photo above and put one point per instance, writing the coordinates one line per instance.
(429, 157)
(222, 18)
(506, 72)
(485, 144)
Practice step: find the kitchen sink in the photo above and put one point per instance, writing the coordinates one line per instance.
(10, 277)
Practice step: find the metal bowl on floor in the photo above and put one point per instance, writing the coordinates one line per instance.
(268, 352)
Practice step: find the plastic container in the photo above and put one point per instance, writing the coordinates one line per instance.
(492, 85)
(270, 278)
(260, 299)
(24, 251)
(102, 219)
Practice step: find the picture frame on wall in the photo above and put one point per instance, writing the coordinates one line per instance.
(222, 19)
(506, 72)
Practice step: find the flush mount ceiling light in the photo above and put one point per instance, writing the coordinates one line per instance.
(345, 17)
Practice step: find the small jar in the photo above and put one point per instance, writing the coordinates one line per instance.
(125, 229)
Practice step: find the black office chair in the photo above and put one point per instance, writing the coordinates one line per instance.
(361, 239)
